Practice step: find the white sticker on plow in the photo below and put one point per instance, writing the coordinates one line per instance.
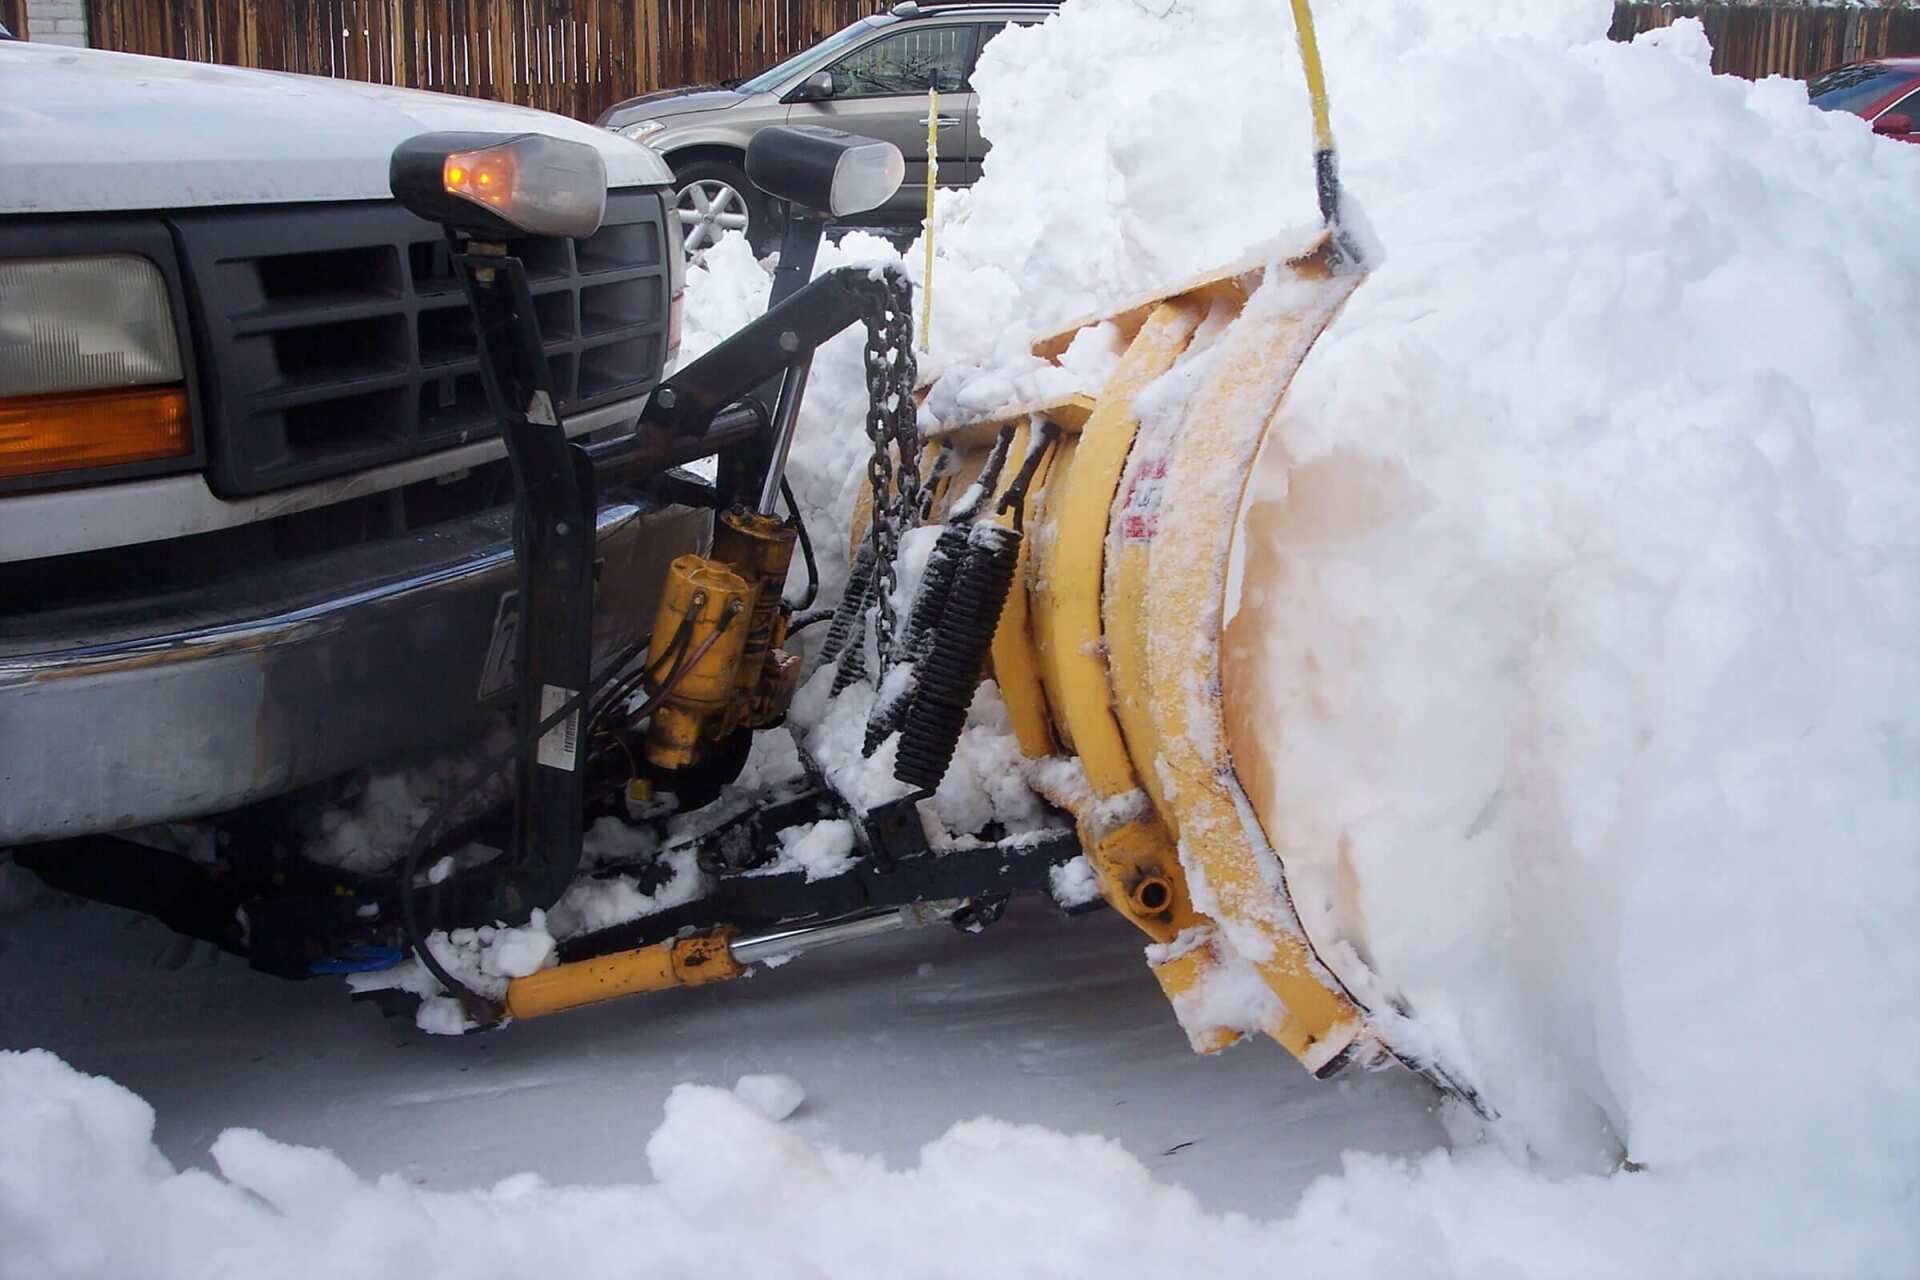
(560, 745)
(1140, 513)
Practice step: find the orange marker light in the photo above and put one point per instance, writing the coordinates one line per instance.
(485, 177)
(76, 430)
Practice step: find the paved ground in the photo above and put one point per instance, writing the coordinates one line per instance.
(1041, 1019)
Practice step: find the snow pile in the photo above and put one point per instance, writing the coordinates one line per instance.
(1588, 612)
(1586, 537)
(1023, 1201)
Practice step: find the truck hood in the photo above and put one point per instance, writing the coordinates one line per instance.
(665, 103)
(90, 131)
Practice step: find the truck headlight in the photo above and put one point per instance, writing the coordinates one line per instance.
(89, 366)
(641, 130)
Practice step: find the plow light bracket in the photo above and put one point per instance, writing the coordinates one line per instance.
(824, 170)
(497, 185)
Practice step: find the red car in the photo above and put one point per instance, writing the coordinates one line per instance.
(1885, 92)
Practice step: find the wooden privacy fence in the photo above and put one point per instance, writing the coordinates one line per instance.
(578, 57)
(1786, 40)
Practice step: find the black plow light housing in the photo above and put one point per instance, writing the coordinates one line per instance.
(824, 170)
(497, 185)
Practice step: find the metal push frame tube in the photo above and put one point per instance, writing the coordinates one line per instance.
(784, 943)
(786, 412)
(553, 542)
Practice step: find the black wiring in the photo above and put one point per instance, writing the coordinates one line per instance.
(482, 1008)
(806, 620)
(806, 550)
(987, 481)
(646, 670)
(472, 1001)
(1015, 498)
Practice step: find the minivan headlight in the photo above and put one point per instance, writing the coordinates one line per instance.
(89, 366)
(641, 130)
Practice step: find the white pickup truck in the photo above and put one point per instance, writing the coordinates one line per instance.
(254, 513)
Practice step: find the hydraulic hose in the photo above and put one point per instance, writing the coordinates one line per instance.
(482, 1008)
(806, 550)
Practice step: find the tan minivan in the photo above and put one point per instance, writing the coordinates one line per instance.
(871, 78)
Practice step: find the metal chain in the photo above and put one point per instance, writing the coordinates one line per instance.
(893, 429)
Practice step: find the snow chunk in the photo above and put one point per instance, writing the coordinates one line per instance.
(443, 1016)
(1686, 39)
(517, 953)
(821, 849)
(774, 1096)
(1074, 883)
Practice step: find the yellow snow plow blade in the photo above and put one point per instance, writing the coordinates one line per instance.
(1109, 651)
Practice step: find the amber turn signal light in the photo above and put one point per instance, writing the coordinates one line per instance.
(81, 430)
(500, 186)
(485, 177)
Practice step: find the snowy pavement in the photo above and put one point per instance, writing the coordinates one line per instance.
(1042, 1020)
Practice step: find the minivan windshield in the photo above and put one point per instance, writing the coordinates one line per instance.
(772, 76)
(1854, 88)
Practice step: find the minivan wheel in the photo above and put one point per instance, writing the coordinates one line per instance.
(712, 198)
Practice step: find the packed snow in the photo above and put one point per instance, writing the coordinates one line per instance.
(368, 829)
(819, 850)
(1593, 531)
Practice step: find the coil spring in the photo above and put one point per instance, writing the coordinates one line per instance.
(848, 625)
(923, 624)
(950, 674)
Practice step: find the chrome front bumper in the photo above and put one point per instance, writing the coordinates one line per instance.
(177, 711)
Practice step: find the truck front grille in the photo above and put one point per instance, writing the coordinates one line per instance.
(333, 338)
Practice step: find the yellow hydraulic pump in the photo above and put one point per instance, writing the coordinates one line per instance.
(697, 644)
(760, 549)
(717, 640)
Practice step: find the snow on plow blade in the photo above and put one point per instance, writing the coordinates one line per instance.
(1109, 652)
